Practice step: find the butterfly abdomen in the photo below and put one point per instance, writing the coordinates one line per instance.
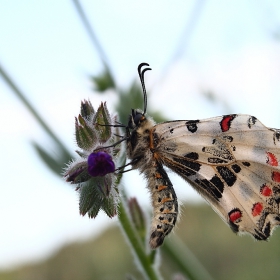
(142, 149)
(164, 201)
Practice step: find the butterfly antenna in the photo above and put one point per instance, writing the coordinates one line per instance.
(141, 76)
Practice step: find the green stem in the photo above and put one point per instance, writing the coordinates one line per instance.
(143, 258)
(92, 36)
(181, 255)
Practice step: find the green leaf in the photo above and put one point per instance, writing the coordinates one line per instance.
(103, 81)
(56, 164)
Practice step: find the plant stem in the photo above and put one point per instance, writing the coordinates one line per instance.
(92, 36)
(137, 246)
(185, 259)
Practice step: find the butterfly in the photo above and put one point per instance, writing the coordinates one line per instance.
(232, 161)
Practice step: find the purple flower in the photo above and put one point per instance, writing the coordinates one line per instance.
(100, 164)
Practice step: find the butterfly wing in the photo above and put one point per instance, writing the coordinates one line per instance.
(232, 161)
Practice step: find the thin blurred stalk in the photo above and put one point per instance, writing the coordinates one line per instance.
(181, 255)
(92, 36)
(139, 250)
(185, 37)
(32, 110)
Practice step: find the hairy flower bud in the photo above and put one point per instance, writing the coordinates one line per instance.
(94, 171)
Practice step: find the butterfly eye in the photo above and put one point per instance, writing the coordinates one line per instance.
(135, 118)
(138, 118)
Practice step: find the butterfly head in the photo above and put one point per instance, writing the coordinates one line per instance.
(136, 118)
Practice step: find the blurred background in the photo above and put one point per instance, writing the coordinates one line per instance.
(208, 58)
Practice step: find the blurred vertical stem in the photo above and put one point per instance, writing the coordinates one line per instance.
(184, 39)
(182, 256)
(93, 37)
(32, 110)
(144, 259)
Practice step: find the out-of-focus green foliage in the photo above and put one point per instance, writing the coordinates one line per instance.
(132, 98)
(54, 162)
(138, 218)
(103, 81)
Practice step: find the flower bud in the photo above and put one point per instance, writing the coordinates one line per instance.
(137, 217)
(85, 136)
(102, 122)
(94, 171)
(86, 109)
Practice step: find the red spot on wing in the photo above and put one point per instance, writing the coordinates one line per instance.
(235, 216)
(276, 176)
(226, 122)
(271, 159)
(257, 209)
(265, 190)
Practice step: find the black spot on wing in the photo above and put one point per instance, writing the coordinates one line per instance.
(214, 186)
(192, 125)
(236, 168)
(267, 229)
(227, 175)
(276, 190)
(259, 235)
(216, 181)
(193, 156)
(191, 166)
(245, 163)
(251, 121)
(216, 160)
(234, 227)
(277, 218)
(276, 135)
(227, 138)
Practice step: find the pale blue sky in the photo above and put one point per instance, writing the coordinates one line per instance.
(232, 51)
